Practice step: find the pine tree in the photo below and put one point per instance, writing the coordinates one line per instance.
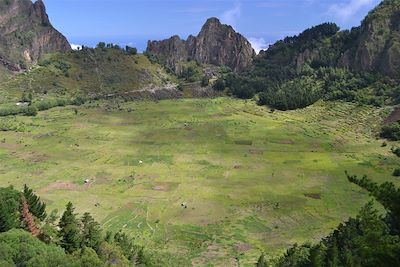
(27, 219)
(69, 230)
(91, 232)
(36, 207)
(49, 232)
(9, 206)
(317, 255)
(131, 251)
(386, 194)
(333, 254)
(8, 218)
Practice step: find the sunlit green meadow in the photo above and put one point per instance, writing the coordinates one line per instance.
(201, 181)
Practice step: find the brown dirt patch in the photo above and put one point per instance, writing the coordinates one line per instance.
(243, 247)
(237, 167)
(103, 178)
(216, 253)
(80, 125)
(244, 142)
(38, 136)
(313, 196)
(393, 117)
(31, 156)
(286, 142)
(61, 186)
(8, 146)
(166, 186)
(256, 151)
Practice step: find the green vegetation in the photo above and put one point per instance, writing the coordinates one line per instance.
(251, 180)
(300, 70)
(205, 182)
(92, 73)
(368, 240)
(391, 131)
(76, 242)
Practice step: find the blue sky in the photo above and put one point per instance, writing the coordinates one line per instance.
(136, 21)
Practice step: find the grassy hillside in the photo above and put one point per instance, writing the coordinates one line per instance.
(251, 180)
(92, 72)
(4, 74)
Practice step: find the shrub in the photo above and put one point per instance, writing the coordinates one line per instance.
(205, 81)
(180, 87)
(78, 101)
(396, 151)
(219, 85)
(391, 131)
(26, 97)
(131, 50)
(30, 111)
(396, 172)
(10, 111)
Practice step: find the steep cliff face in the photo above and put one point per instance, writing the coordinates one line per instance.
(26, 34)
(377, 47)
(216, 44)
(173, 51)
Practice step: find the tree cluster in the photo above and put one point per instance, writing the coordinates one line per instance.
(297, 71)
(31, 237)
(369, 240)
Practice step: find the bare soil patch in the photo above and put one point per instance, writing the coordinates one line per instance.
(61, 186)
(256, 151)
(165, 186)
(286, 142)
(31, 156)
(243, 247)
(393, 117)
(244, 142)
(313, 196)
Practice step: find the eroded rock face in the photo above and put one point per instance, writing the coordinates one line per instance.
(216, 44)
(377, 48)
(26, 34)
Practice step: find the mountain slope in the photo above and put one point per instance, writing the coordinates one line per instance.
(216, 44)
(92, 72)
(372, 47)
(26, 34)
(377, 47)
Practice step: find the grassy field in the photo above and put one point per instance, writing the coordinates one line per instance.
(251, 180)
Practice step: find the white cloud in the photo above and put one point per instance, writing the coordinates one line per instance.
(76, 47)
(230, 16)
(258, 44)
(345, 11)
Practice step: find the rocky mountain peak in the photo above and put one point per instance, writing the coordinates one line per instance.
(212, 22)
(40, 11)
(26, 34)
(216, 44)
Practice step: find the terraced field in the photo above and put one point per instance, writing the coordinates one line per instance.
(201, 181)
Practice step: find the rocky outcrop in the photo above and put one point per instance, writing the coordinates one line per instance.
(377, 47)
(216, 44)
(26, 34)
(173, 50)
